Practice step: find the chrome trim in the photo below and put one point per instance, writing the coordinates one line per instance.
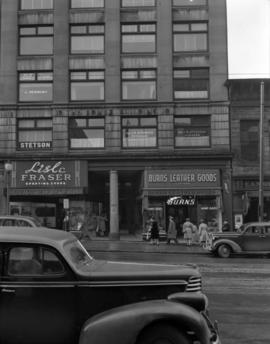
(194, 284)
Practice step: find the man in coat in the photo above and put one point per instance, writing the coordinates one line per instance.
(172, 232)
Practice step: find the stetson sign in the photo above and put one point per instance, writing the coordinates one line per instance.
(57, 175)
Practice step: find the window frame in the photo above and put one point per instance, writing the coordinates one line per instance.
(207, 126)
(95, 7)
(243, 156)
(99, 127)
(139, 5)
(87, 80)
(87, 34)
(139, 71)
(36, 34)
(36, 8)
(34, 129)
(125, 127)
(138, 32)
(35, 81)
(190, 31)
(190, 4)
(192, 80)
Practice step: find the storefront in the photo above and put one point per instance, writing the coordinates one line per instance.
(48, 190)
(183, 193)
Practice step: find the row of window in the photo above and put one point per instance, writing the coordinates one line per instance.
(136, 84)
(48, 4)
(137, 132)
(135, 38)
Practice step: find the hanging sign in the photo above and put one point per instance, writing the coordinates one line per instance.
(181, 200)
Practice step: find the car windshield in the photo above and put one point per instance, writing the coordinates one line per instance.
(77, 255)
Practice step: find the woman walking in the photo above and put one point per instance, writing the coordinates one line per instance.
(188, 231)
(172, 232)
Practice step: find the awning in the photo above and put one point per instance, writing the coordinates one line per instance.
(182, 192)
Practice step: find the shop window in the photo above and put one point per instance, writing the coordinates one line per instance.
(87, 85)
(87, 3)
(35, 86)
(138, 38)
(87, 39)
(192, 131)
(34, 134)
(36, 4)
(139, 132)
(36, 40)
(188, 3)
(191, 83)
(138, 84)
(85, 133)
(138, 3)
(190, 37)
(249, 140)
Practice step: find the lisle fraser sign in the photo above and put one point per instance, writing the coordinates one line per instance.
(49, 174)
(161, 179)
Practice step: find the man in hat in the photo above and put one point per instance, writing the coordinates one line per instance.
(172, 232)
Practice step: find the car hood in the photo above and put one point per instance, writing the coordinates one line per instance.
(123, 271)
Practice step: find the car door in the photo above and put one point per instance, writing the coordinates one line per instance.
(37, 297)
(253, 238)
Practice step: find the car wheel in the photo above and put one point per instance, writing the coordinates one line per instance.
(162, 334)
(224, 251)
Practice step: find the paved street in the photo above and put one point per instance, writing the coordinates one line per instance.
(238, 288)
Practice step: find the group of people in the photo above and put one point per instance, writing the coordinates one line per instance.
(192, 233)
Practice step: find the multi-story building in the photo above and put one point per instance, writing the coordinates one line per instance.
(115, 106)
(249, 104)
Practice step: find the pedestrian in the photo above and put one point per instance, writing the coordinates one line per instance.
(203, 232)
(172, 232)
(195, 235)
(188, 231)
(154, 231)
(226, 226)
(101, 225)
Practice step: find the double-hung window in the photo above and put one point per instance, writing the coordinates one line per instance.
(36, 4)
(87, 3)
(34, 134)
(87, 39)
(36, 40)
(139, 84)
(85, 133)
(87, 85)
(192, 131)
(35, 86)
(138, 38)
(191, 83)
(190, 37)
(139, 132)
(138, 3)
(249, 140)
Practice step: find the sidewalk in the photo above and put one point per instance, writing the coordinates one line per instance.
(134, 243)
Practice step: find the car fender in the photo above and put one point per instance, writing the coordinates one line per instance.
(122, 325)
(234, 246)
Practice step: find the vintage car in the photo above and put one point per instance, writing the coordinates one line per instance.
(253, 237)
(19, 221)
(53, 291)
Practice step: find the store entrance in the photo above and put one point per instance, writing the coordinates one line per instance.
(180, 213)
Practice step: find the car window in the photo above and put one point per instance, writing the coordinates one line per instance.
(254, 230)
(22, 223)
(33, 261)
(8, 222)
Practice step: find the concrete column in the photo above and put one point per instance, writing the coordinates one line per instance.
(114, 206)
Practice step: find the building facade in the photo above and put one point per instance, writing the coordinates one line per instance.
(116, 107)
(246, 108)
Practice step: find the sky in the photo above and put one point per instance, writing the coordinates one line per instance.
(248, 38)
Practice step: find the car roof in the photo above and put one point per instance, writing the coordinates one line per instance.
(35, 235)
(258, 223)
(19, 217)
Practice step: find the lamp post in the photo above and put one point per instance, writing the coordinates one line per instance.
(8, 169)
(261, 137)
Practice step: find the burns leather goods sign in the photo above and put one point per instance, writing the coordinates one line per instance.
(49, 174)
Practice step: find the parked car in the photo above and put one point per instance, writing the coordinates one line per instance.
(53, 291)
(146, 235)
(19, 221)
(251, 238)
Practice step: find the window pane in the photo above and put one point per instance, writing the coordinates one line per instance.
(96, 29)
(36, 4)
(77, 122)
(78, 76)
(189, 134)
(27, 76)
(189, 2)
(130, 74)
(87, 91)
(87, 3)
(96, 122)
(45, 30)
(36, 45)
(45, 76)
(78, 29)
(35, 136)
(198, 27)
(35, 92)
(190, 42)
(180, 27)
(96, 75)
(87, 44)
(194, 86)
(138, 43)
(139, 137)
(249, 138)
(27, 31)
(150, 121)
(130, 122)
(129, 28)
(137, 3)
(26, 123)
(139, 90)
(147, 28)
(44, 123)
(87, 138)
(147, 74)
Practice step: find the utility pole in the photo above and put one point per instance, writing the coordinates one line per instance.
(261, 152)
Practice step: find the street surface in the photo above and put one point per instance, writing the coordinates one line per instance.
(238, 288)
